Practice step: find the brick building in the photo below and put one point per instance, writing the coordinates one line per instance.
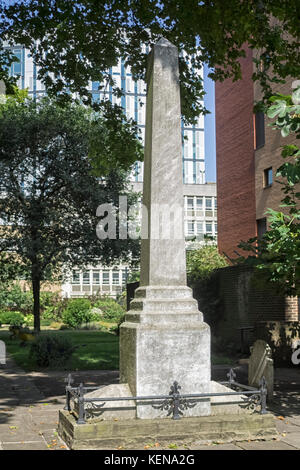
(248, 154)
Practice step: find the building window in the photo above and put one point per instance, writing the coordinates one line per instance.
(86, 278)
(259, 130)
(96, 277)
(124, 276)
(199, 203)
(208, 227)
(208, 207)
(208, 203)
(268, 177)
(216, 228)
(105, 277)
(261, 227)
(76, 277)
(199, 228)
(190, 206)
(190, 227)
(115, 278)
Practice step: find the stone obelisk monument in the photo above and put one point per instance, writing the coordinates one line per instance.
(164, 338)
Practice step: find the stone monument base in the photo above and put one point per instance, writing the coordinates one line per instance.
(114, 423)
(164, 339)
(111, 434)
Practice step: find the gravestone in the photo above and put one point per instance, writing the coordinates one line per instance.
(261, 365)
(2, 353)
(164, 338)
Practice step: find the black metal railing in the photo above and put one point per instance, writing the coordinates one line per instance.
(175, 403)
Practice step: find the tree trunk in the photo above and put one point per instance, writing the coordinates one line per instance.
(36, 285)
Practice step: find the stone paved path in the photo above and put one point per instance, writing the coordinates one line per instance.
(29, 405)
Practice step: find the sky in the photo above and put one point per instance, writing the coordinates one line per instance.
(209, 126)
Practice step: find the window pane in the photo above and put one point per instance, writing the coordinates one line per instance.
(259, 130)
(208, 228)
(199, 227)
(208, 203)
(86, 278)
(115, 277)
(190, 228)
(76, 277)
(96, 277)
(105, 277)
(268, 177)
(190, 203)
(199, 202)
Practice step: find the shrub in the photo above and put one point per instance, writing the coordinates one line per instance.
(78, 311)
(56, 325)
(29, 320)
(201, 263)
(93, 325)
(51, 350)
(110, 308)
(12, 318)
(13, 297)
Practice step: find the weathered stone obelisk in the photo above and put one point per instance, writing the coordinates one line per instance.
(164, 338)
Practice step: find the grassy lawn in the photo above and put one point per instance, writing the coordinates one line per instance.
(97, 350)
(218, 359)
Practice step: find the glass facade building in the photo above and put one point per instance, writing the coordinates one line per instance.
(199, 197)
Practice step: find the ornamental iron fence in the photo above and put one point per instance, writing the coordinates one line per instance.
(175, 403)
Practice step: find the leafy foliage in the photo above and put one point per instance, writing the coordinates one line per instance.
(51, 351)
(78, 311)
(277, 254)
(84, 39)
(110, 308)
(201, 263)
(11, 318)
(13, 297)
(52, 192)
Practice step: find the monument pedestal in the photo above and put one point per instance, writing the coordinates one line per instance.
(162, 340)
(133, 433)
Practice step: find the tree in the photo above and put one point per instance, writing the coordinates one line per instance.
(79, 41)
(201, 263)
(277, 254)
(50, 189)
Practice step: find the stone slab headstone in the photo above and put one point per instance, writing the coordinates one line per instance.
(2, 353)
(261, 365)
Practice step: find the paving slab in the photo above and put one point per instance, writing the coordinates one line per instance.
(216, 447)
(292, 439)
(265, 445)
(39, 445)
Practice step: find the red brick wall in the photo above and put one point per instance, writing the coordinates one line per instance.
(235, 160)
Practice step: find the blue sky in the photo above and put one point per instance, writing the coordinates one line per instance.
(209, 125)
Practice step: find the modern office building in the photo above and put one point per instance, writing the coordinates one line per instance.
(199, 197)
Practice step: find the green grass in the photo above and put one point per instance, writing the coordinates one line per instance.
(96, 350)
(218, 359)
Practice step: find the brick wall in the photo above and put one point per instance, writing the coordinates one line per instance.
(235, 160)
(270, 156)
(242, 302)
